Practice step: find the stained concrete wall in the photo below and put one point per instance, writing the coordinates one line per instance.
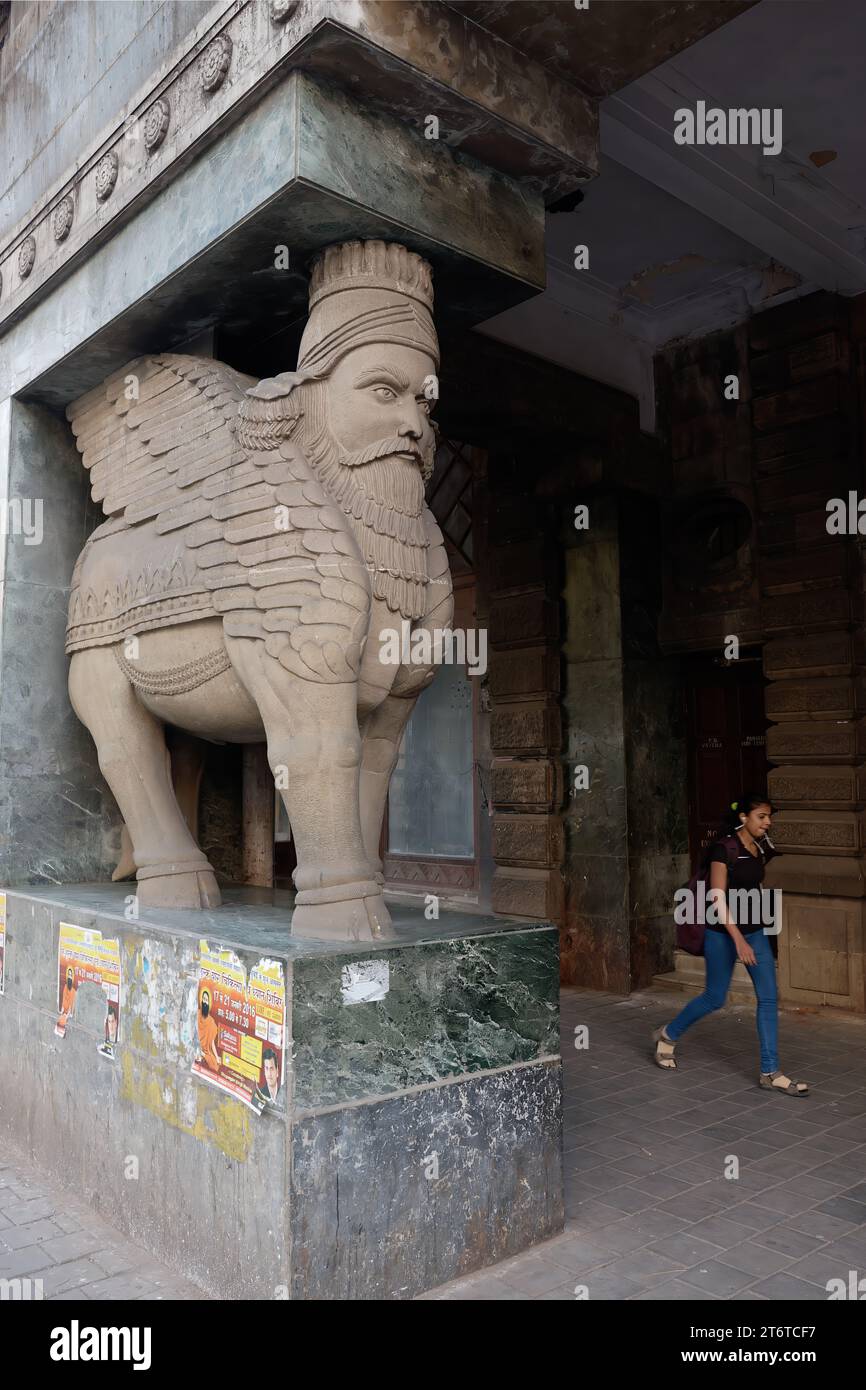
(58, 821)
(66, 70)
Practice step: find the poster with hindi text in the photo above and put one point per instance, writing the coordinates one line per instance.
(241, 1025)
(86, 957)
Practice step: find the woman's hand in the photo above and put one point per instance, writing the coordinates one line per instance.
(744, 950)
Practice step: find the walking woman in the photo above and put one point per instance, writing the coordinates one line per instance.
(736, 861)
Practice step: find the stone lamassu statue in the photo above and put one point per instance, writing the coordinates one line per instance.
(261, 540)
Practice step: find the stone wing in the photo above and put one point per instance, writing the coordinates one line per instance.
(284, 567)
(245, 532)
(154, 432)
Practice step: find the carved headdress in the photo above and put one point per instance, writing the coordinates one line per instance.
(360, 292)
(367, 292)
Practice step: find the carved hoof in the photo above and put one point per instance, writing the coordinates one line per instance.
(352, 919)
(196, 889)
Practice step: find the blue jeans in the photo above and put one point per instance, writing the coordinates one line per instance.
(721, 956)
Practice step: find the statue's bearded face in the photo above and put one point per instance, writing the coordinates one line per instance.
(366, 429)
(378, 412)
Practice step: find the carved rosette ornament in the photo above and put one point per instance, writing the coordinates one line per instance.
(62, 220)
(26, 257)
(215, 62)
(281, 10)
(106, 175)
(156, 124)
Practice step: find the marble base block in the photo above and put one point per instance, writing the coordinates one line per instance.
(417, 1135)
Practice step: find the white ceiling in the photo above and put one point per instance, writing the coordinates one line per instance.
(686, 239)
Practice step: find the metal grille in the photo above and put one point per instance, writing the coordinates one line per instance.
(449, 498)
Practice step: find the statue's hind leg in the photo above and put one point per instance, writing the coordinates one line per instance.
(314, 751)
(130, 744)
(187, 759)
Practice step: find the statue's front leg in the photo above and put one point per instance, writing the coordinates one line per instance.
(383, 732)
(314, 751)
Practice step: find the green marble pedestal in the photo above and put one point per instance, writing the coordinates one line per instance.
(417, 1136)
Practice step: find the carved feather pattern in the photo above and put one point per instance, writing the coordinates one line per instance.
(251, 534)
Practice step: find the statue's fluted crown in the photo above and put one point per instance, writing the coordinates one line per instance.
(371, 265)
(367, 292)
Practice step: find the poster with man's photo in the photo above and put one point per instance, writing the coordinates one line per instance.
(241, 1027)
(85, 957)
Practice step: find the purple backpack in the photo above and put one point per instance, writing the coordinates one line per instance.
(690, 932)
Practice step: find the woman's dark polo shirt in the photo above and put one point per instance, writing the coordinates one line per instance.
(745, 872)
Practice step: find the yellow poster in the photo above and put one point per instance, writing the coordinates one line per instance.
(86, 957)
(241, 1026)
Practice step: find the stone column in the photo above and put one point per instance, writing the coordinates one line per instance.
(811, 591)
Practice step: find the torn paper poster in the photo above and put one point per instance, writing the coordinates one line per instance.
(363, 981)
(86, 957)
(241, 1026)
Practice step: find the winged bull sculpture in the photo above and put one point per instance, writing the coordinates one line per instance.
(261, 538)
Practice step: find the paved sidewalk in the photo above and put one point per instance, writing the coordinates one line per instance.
(48, 1235)
(649, 1213)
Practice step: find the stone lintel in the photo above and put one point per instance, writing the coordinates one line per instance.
(208, 250)
(406, 60)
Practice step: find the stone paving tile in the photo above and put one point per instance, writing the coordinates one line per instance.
(722, 1230)
(601, 1285)
(676, 1291)
(56, 1238)
(14, 1237)
(816, 1223)
(818, 1268)
(717, 1278)
(845, 1210)
(785, 1286)
(751, 1258)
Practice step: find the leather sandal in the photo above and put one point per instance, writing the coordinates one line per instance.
(664, 1053)
(778, 1081)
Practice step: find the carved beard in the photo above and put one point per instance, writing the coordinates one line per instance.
(383, 497)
